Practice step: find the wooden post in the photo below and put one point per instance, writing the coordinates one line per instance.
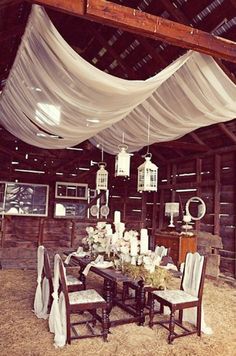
(124, 203)
(154, 220)
(161, 209)
(198, 180)
(41, 228)
(217, 195)
(144, 210)
(174, 173)
(72, 233)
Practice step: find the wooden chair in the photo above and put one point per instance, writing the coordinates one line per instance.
(73, 283)
(78, 302)
(178, 300)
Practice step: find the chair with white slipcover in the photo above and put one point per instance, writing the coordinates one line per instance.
(80, 301)
(188, 296)
(42, 294)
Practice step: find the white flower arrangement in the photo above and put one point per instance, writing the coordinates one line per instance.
(122, 245)
(97, 238)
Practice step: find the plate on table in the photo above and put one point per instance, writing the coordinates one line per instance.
(104, 264)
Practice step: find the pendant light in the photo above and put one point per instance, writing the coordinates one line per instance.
(147, 172)
(102, 176)
(122, 161)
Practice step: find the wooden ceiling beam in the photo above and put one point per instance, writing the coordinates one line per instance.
(196, 138)
(180, 17)
(160, 29)
(72, 7)
(146, 25)
(183, 146)
(96, 33)
(227, 132)
(159, 60)
(175, 12)
(7, 3)
(15, 31)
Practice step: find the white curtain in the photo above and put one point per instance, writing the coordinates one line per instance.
(41, 298)
(54, 99)
(57, 317)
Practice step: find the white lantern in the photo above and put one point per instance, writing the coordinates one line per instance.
(102, 177)
(122, 163)
(147, 175)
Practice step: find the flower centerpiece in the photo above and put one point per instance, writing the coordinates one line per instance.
(122, 246)
(98, 238)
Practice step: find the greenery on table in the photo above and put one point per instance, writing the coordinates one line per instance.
(157, 279)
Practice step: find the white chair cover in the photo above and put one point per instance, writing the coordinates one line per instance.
(41, 298)
(192, 277)
(57, 317)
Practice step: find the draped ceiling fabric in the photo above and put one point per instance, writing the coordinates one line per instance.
(55, 99)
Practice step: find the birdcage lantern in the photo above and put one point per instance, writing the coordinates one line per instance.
(147, 175)
(122, 162)
(102, 177)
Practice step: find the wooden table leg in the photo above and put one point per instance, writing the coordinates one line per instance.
(141, 302)
(108, 293)
(82, 277)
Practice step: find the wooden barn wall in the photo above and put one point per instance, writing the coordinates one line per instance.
(211, 177)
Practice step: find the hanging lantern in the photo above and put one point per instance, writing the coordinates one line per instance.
(102, 177)
(122, 163)
(147, 175)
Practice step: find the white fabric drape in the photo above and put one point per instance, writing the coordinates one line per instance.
(192, 277)
(57, 317)
(54, 99)
(41, 298)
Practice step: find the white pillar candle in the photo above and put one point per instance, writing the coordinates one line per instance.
(144, 242)
(134, 246)
(114, 239)
(108, 231)
(117, 216)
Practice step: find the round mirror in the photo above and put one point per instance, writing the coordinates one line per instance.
(196, 208)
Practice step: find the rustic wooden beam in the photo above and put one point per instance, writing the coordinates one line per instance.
(199, 190)
(132, 74)
(160, 29)
(158, 59)
(175, 12)
(72, 7)
(233, 2)
(227, 132)
(161, 210)
(15, 31)
(196, 138)
(187, 185)
(217, 166)
(7, 3)
(154, 220)
(146, 25)
(183, 146)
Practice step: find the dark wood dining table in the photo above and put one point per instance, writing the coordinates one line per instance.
(111, 279)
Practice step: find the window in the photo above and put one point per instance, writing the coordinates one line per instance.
(66, 190)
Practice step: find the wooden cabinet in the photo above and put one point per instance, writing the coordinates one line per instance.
(179, 245)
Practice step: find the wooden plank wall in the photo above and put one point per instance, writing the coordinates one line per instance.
(212, 177)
